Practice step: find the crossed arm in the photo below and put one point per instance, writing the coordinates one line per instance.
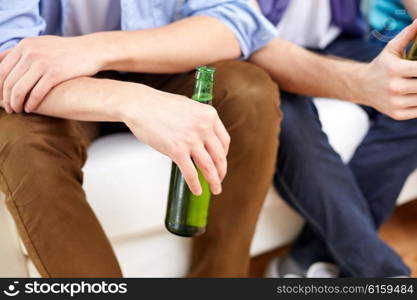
(42, 62)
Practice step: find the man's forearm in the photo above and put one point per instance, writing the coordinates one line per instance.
(303, 72)
(175, 48)
(86, 99)
(31, 69)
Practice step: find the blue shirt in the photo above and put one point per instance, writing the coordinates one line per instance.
(28, 18)
(388, 15)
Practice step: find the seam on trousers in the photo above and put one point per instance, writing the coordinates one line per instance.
(23, 232)
(315, 224)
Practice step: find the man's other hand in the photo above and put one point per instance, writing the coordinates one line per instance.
(34, 66)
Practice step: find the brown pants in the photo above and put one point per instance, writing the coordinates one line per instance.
(40, 172)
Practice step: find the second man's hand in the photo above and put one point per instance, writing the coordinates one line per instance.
(388, 83)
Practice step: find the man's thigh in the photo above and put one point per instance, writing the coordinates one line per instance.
(25, 135)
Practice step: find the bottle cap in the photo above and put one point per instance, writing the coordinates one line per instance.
(205, 73)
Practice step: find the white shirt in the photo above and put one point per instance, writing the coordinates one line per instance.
(308, 23)
(89, 16)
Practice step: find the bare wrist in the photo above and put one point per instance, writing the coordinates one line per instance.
(116, 103)
(355, 83)
(110, 54)
(101, 49)
(128, 103)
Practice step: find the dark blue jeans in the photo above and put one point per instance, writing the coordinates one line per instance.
(344, 205)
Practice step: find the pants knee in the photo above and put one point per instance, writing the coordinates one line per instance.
(301, 126)
(250, 84)
(247, 100)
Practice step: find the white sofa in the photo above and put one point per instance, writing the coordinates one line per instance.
(126, 184)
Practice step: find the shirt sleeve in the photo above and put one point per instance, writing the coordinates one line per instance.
(248, 24)
(19, 19)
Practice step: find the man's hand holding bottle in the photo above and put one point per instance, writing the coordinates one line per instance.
(388, 82)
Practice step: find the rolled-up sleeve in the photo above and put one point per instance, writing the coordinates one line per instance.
(248, 24)
(19, 19)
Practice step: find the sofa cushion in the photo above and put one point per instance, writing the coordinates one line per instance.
(126, 183)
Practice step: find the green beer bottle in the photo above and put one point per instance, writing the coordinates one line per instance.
(187, 213)
(412, 53)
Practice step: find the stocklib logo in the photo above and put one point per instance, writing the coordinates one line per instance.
(12, 290)
(68, 289)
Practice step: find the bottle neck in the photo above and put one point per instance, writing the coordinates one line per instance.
(203, 91)
(412, 54)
